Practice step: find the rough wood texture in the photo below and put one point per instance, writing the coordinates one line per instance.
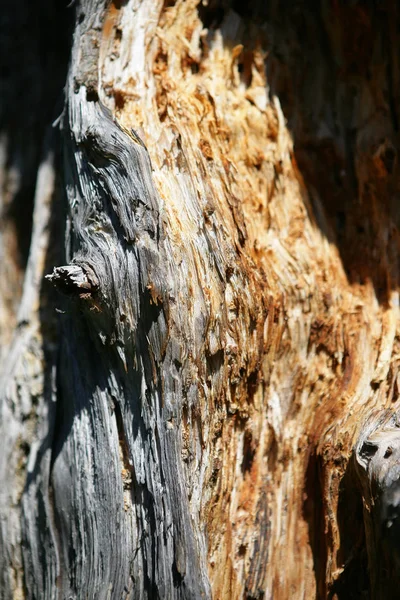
(378, 466)
(228, 315)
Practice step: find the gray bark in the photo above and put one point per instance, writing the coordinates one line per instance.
(210, 308)
(109, 512)
(378, 468)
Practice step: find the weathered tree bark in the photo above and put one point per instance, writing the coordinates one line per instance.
(200, 376)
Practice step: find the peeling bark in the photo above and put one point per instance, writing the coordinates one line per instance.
(206, 409)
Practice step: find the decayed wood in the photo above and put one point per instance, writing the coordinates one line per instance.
(229, 316)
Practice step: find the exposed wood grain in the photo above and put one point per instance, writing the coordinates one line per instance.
(230, 314)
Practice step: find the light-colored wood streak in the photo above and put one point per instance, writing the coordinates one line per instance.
(230, 192)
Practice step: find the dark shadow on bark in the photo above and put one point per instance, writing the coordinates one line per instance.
(35, 41)
(34, 51)
(329, 68)
(313, 514)
(47, 140)
(353, 582)
(334, 69)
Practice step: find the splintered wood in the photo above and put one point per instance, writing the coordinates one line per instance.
(231, 190)
(288, 353)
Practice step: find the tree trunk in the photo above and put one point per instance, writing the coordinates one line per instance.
(199, 400)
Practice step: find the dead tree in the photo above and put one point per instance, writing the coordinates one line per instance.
(200, 345)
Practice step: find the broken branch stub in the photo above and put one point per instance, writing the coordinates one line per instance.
(72, 279)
